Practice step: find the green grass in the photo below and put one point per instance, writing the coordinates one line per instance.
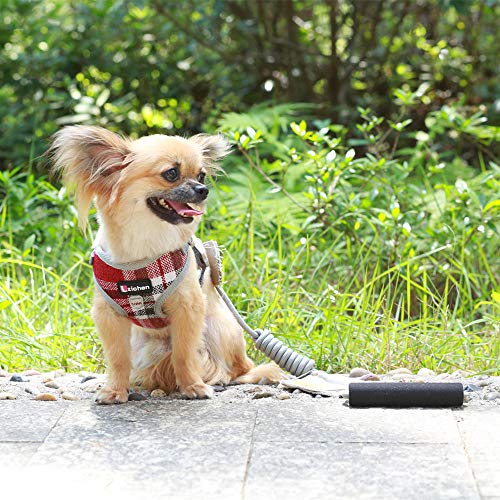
(342, 306)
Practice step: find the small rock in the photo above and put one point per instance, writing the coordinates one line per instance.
(218, 388)
(47, 378)
(31, 390)
(87, 378)
(158, 393)
(297, 391)
(318, 396)
(442, 376)
(136, 396)
(344, 394)
(254, 389)
(358, 372)
(263, 394)
(482, 377)
(45, 396)
(59, 373)
(18, 378)
(370, 377)
(484, 382)
(92, 385)
(84, 373)
(7, 395)
(404, 377)
(491, 396)
(468, 397)
(31, 373)
(426, 372)
(69, 396)
(283, 395)
(3, 373)
(52, 385)
(399, 371)
(460, 374)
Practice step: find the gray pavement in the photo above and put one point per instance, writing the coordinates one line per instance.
(252, 449)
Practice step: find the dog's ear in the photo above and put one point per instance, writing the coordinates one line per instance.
(213, 148)
(89, 159)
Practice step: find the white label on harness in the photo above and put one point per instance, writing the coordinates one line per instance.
(136, 302)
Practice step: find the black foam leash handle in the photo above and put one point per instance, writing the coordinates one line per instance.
(406, 395)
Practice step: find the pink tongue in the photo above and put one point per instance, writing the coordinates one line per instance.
(183, 209)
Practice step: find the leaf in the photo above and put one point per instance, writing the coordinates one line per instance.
(103, 98)
(331, 156)
(251, 132)
(350, 155)
(495, 296)
(491, 204)
(395, 212)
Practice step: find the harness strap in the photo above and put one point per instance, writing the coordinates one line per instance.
(200, 262)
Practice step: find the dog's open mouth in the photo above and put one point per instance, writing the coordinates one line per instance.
(172, 211)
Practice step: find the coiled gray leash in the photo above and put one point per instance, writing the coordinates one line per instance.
(291, 361)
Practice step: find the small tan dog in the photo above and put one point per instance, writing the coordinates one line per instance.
(150, 195)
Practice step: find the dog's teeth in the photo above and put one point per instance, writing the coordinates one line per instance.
(162, 202)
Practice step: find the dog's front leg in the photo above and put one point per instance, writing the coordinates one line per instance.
(114, 332)
(187, 322)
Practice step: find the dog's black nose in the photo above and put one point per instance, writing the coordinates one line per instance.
(201, 190)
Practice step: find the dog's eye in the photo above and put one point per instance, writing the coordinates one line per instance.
(201, 177)
(171, 175)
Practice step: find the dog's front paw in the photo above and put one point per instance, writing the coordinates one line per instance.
(107, 396)
(197, 391)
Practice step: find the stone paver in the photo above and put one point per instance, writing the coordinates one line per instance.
(480, 431)
(251, 449)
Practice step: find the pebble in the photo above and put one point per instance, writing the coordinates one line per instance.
(3, 373)
(45, 396)
(31, 390)
(31, 373)
(262, 395)
(491, 396)
(398, 371)
(426, 372)
(254, 389)
(87, 378)
(442, 376)
(218, 388)
(358, 372)
(158, 393)
(406, 377)
(18, 378)
(136, 396)
(47, 378)
(93, 385)
(283, 395)
(52, 385)
(483, 382)
(69, 396)
(318, 396)
(370, 377)
(7, 395)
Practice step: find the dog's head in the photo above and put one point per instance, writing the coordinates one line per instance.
(155, 179)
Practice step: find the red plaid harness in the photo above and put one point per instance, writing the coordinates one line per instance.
(139, 289)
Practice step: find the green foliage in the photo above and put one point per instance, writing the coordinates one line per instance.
(164, 66)
(372, 247)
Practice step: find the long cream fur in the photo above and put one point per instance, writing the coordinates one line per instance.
(203, 345)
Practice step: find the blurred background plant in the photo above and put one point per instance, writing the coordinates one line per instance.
(360, 213)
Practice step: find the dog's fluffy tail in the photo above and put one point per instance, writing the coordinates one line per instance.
(268, 373)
